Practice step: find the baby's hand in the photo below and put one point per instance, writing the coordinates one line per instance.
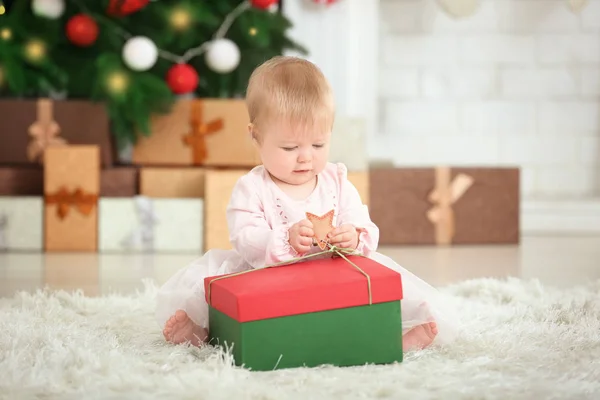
(301, 236)
(344, 236)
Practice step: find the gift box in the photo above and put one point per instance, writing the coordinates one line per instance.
(32, 125)
(21, 223)
(21, 181)
(119, 182)
(210, 132)
(445, 205)
(348, 143)
(218, 187)
(360, 180)
(142, 224)
(175, 183)
(71, 187)
(336, 311)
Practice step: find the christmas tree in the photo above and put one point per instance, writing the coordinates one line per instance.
(136, 56)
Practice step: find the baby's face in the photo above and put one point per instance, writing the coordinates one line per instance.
(293, 156)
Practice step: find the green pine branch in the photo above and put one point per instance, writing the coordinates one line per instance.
(84, 73)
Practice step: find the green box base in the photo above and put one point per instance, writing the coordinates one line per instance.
(344, 337)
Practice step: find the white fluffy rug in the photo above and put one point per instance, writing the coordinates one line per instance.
(521, 341)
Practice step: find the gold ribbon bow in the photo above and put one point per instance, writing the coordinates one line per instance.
(196, 139)
(335, 251)
(83, 202)
(44, 132)
(443, 196)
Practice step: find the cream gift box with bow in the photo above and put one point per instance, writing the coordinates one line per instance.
(145, 225)
(21, 223)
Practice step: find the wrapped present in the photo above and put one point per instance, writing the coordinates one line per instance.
(360, 180)
(336, 311)
(119, 182)
(174, 183)
(210, 132)
(218, 187)
(445, 205)
(21, 181)
(71, 187)
(21, 223)
(348, 143)
(33, 125)
(142, 224)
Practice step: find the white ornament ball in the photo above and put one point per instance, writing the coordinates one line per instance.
(222, 56)
(140, 53)
(51, 9)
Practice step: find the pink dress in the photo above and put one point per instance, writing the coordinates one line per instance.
(259, 215)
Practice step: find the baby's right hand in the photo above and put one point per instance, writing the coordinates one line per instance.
(301, 236)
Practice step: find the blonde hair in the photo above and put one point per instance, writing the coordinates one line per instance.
(293, 90)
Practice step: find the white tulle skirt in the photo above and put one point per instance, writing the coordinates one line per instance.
(421, 302)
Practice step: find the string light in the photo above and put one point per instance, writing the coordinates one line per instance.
(193, 52)
(6, 34)
(2, 9)
(253, 31)
(117, 82)
(180, 19)
(35, 50)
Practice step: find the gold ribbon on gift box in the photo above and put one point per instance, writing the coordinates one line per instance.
(44, 132)
(196, 139)
(444, 195)
(81, 201)
(333, 250)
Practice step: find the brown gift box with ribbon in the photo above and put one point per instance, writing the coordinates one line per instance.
(174, 183)
(21, 181)
(218, 188)
(29, 126)
(119, 182)
(71, 187)
(445, 206)
(210, 132)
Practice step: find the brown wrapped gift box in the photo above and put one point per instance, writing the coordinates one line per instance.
(71, 187)
(360, 180)
(445, 205)
(27, 181)
(119, 182)
(218, 188)
(211, 132)
(175, 183)
(73, 121)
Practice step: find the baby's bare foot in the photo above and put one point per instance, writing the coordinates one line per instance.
(180, 328)
(419, 337)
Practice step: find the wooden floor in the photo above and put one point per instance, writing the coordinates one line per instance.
(559, 261)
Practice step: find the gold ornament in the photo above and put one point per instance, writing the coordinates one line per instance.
(180, 19)
(117, 82)
(35, 50)
(2, 9)
(6, 34)
(253, 31)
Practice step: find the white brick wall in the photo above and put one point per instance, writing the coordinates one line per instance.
(518, 83)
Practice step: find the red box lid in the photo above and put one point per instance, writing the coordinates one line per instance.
(309, 286)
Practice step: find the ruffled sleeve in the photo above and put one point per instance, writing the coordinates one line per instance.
(249, 233)
(353, 211)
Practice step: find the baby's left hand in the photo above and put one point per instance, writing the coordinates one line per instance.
(344, 236)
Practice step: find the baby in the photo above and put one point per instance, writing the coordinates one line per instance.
(291, 109)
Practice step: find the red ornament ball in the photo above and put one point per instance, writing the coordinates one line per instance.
(263, 4)
(82, 30)
(121, 8)
(182, 79)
